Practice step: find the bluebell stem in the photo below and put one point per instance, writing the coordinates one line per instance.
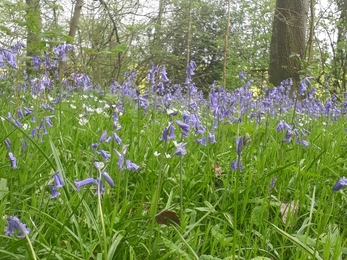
(84, 182)
(131, 166)
(181, 150)
(99, 188)
(340, 184)
(15, 223)
(13, 160)
(58, 180)
(55, 192)
(108, 178)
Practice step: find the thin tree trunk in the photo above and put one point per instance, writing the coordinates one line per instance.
(73, 28)
(189, 31)
(33, 23)
(310, 41)
(225, 50)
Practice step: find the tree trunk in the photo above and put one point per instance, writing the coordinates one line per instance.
(341, 54)
(189, 32)
(226, 40)
(73, 28)
(33, 24)
(287, 47)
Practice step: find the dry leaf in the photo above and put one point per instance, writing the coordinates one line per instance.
(288, 210)
(218, 170)
(166, 217)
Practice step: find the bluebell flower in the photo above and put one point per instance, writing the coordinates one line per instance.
(108, 178)
(20, 114)
(58, 180)
(13, 160)
(15, 223)
(11, 59)
(242, 75)
(117, 138)
(241, 142)
(55, 192)
(184, 128)
(131, 166)
(48, 120)
(164, 136)
(120, 162)
(201, 141)
(104, 154)
(8, 143)
(171, 132)
(99, 188)
(61, 50)
(164, 78)
(340, 184)
(235, 164)
(302, 142)
(211, 138)
(181, 150)
(99, 165)
(84, 182)
(273, 182)
(103, 137)
(27, 111)
(288, 138)
(95, 145)
(36, 62)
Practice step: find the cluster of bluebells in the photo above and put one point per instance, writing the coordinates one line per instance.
(12, 158)
(58, 183)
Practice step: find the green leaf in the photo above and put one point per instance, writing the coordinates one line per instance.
(3, 188)
(120, 48)
(5, 29)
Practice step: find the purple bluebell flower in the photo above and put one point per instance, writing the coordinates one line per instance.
(273, 182)
(27, 111)
(241, 142)
(103, 137)
(20, 114)
(104, 154)
(242, 75)
(236, 165)
(95, 145)
(13, 160)
(61, 50)
(55, 192)
(11, 59)
(181, 150)
(302, 142)
(36, 62)
(201, 141)
(8, 143)
(164, 78)
(33, 132)
(288, 138)
(164, 136)
(17, 123)
(49, 121)
(84, 182)
(131, 166)
(120, 162)
(211, 138)
(171, 132)
(184, 128)
(58, 180)
(99, 165)
(99, 187)
(108, 178)
(15, 223)
(340, 184)
(117, 138)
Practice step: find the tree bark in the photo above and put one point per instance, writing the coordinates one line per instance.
(73, 28)
(287, 47)
(340, 69)
(225, 49)
(33, 24)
